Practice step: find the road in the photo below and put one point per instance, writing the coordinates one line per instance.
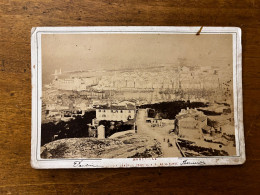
(161, 134)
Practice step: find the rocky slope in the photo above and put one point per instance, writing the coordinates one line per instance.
(125, 146)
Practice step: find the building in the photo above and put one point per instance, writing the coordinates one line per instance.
(166, 122)
(115, 113)
(73, 83)
(64, 113)
(189, 123)
(67, 115)
(155, 122)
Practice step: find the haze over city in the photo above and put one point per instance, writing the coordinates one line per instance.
(74, 52)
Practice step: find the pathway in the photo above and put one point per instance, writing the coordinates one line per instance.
(161, 134)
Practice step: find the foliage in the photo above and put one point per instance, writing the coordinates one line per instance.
(114, 127)
(168, 110)
(74, 128)
(209, 113)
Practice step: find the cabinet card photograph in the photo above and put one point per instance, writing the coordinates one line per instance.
(112, 97)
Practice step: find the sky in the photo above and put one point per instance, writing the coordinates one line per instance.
(73, 52)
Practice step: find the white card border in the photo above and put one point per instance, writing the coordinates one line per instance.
(38, 163)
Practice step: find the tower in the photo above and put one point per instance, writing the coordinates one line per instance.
(101, 132)
(56, 73)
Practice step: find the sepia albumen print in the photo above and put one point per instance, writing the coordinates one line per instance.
(137, 96)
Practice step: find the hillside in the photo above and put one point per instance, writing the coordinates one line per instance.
(125, 146)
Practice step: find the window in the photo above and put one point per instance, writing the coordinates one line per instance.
(99, 110)
(121, 111)
(129, 111)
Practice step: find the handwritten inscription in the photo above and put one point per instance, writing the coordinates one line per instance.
(187, 162)
(81, 164)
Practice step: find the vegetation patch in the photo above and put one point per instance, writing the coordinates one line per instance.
(190, 149)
